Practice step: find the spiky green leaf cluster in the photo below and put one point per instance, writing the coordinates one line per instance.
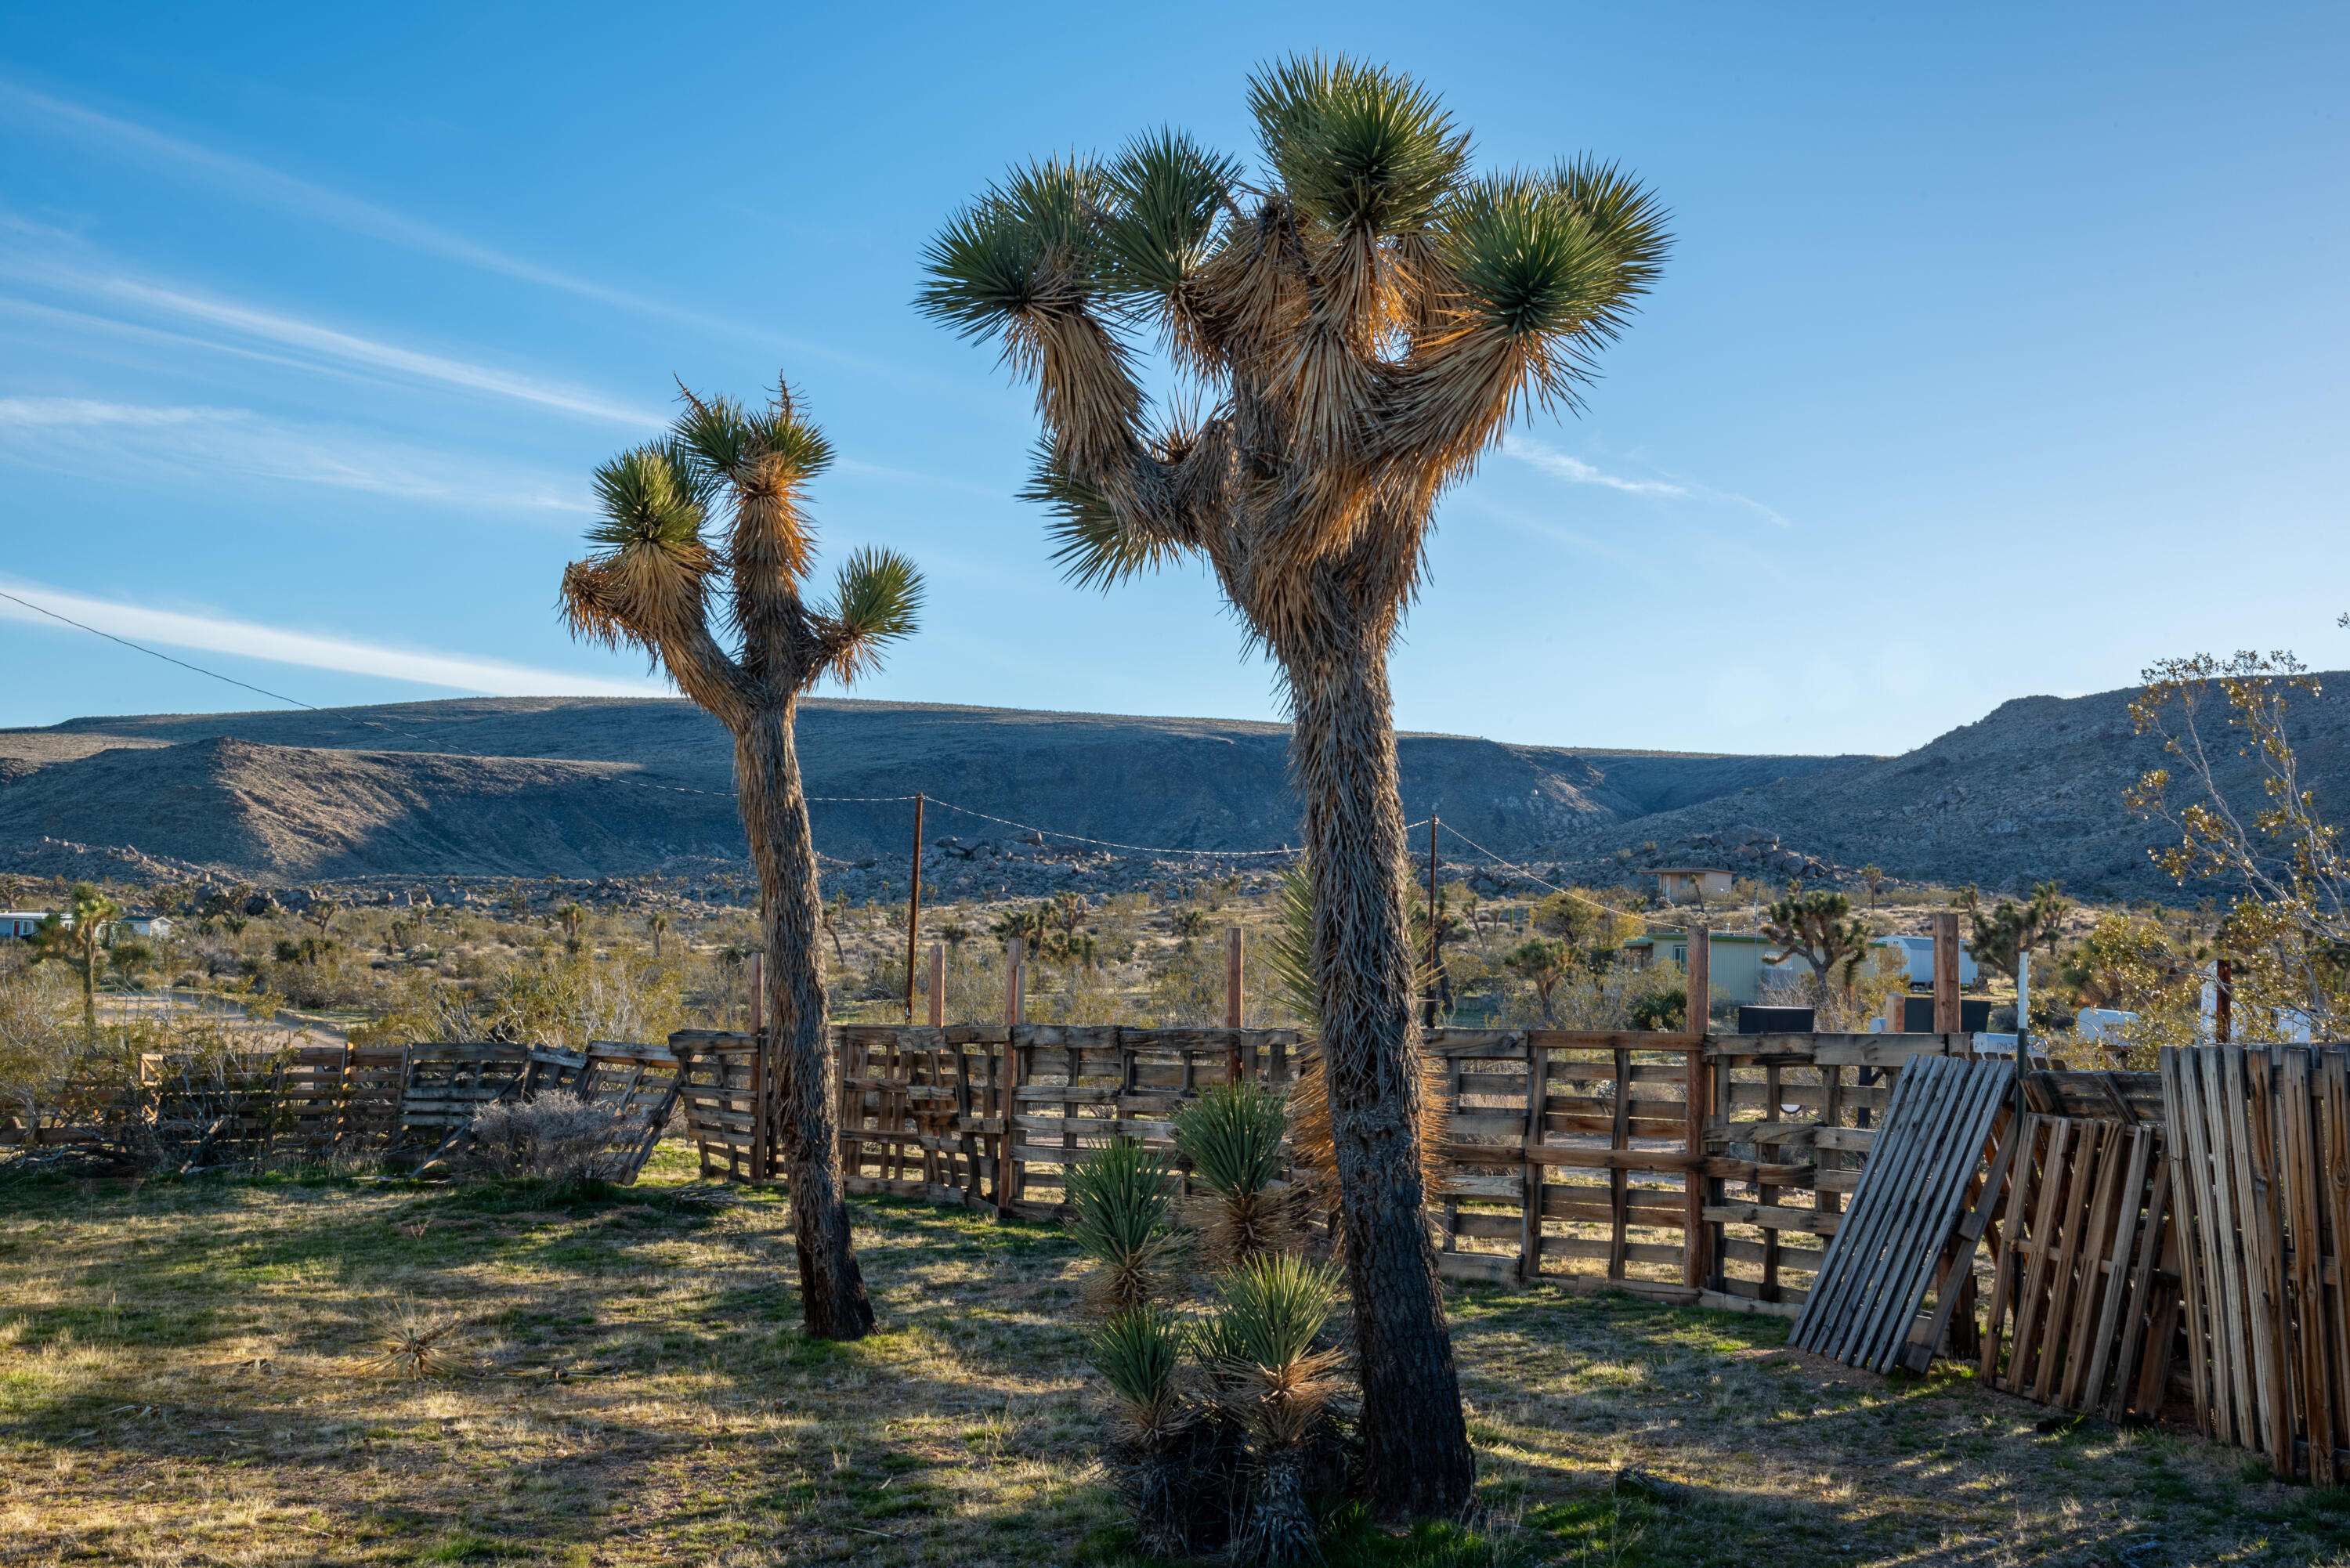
(649, 496)
(1233, 1136)
(1289, 948)
(1090, 545)
(1529, 264)
(879, 594)
(1121, 1197)
(1270, 1309)
(1354, 145)
(1031, 239)
(730, 440)
(1163, 193)
(1137, 1350)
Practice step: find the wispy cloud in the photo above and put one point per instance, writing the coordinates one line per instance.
(257, 183)
(251, 181)
(173, 443)
(1547, 458)
(279, 644)
(1560, 465)
(86, 279)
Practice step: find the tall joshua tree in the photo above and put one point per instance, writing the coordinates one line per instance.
(1359, 321)
(716, 512)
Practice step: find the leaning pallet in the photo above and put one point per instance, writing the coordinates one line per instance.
(2084, 1303)
(1906, 1214)
(2259, 1166)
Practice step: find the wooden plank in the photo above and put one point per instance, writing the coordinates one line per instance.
(1958, 1263)
(1865, 1300)
(1878, 1286)
(2316, 1368)
(2246, 1108)
(1531, 1202)
(2124, 1288)
(1618, 1138)
(2332, 1089)
(1937, 1208)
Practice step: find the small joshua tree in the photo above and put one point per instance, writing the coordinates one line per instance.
(79, 936)
(743, 471)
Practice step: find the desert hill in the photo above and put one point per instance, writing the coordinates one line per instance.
(587, 787)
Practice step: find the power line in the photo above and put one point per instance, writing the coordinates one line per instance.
(1512, 866)
(233, 681)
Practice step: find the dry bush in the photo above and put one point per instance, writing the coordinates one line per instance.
(555, 1137)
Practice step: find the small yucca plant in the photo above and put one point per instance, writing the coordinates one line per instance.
(1137, 1350)
(1121, 1197)
(1235, 1135)
(1272, 1376)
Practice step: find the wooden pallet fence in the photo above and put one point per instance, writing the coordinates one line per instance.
(717, 1093)
(2259, 1146)
(2084, 1306)
(1864, 1304)
(1791, 1121)
(1571, 1160)
(1571, 1154)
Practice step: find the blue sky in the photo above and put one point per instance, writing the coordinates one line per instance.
(2003, 351)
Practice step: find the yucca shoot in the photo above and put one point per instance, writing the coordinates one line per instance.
(1235, 1135)
(1121, 1197)
(1261, 1360)
(1138, 1351)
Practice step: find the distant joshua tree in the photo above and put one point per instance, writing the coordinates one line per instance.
(1364, 315)
(77, 936)
(1819, 928)
(740, 473)
(1872, 877)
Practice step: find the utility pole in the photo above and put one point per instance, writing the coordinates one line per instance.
(914, 909)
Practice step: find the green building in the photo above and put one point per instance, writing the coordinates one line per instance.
(1739, 960)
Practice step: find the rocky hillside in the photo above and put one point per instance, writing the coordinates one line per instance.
(594, 787)
(609, 787)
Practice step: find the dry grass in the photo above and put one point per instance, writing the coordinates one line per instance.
(191, 1373)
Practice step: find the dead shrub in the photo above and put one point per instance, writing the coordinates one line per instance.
(557, 1138)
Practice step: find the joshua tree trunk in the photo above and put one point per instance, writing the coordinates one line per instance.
(1418, 1460)
(775, 813)
(89, 986)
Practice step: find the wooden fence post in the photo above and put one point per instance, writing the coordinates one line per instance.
(1696, 1017)
(2223, 1001)
(760, 1120)
(938, 986)
(1530, 1234)
(1008, 1075)
(1945, 973)
(913, 909)
(1233, 1001)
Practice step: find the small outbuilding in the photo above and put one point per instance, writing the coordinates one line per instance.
(1692, 884)
(20, 924)
(1739, 960)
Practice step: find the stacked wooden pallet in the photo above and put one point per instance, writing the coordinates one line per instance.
(2085, 1304)
(2259, 1143)
(1907, 1216)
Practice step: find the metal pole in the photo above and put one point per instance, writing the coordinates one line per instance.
(1435, 925)
(914, 909)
